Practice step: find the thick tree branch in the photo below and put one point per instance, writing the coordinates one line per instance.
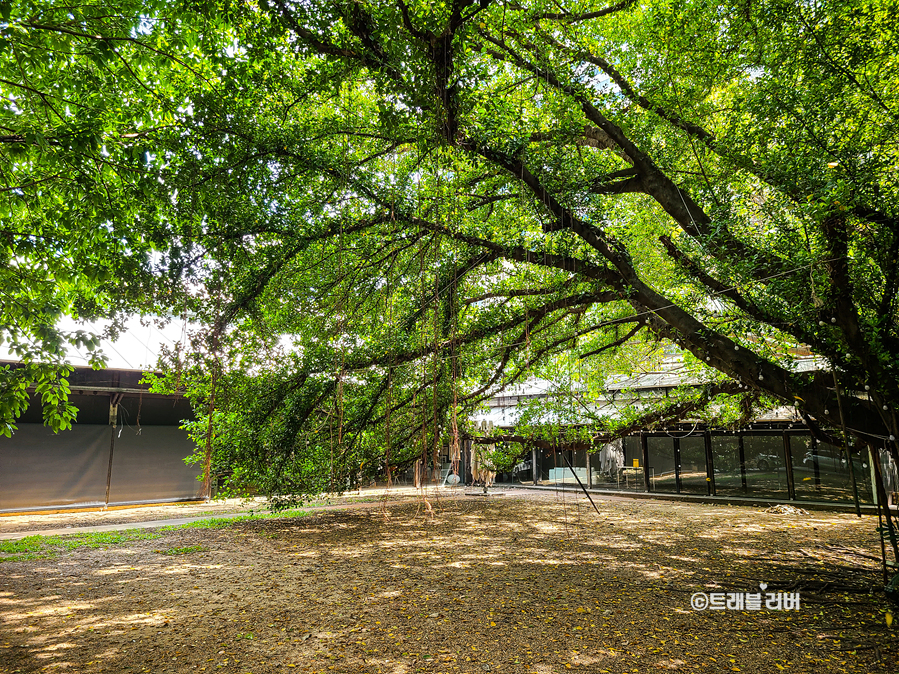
(793, 190)
(591, 137)
(630, 186)
(479, 333)
(676, 323)
(674, 200)
(373, 58)
(509, 294)
(566, 263)
(847, 318)
(568, 17)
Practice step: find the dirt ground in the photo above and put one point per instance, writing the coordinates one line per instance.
(539, 584)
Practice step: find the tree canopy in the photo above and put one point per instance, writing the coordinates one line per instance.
(383, 213)
(82, 91)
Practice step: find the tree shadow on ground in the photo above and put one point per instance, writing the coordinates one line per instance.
(502, 585)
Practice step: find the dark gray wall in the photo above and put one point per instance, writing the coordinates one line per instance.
(39, 468)
(150, 466)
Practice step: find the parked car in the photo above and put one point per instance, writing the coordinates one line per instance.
(832, 463)
(766, 461)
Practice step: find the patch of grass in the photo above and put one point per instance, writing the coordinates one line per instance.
(39, 547)
(224, 522)
(182, 551)
(102, 539)
(27, 544)
(211, 523)
(280, 514)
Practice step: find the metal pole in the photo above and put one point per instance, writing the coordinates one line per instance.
(113, 420)
(741, 449)
(836, 388)
(788, 456)
(884, 507)
(677, 464)
(709, 463)
(883, 548)
(871, 468)
(109, 469)
(644, 446)
(815, 463)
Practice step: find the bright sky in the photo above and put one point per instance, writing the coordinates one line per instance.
(136, 349)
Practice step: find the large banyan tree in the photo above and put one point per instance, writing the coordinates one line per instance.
(383, 213)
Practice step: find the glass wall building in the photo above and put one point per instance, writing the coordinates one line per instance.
(767, 461)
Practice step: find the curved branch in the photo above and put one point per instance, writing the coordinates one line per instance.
(794, 191)
(586, 16)
(707, 280)
(612, 345)
(674, 200)
(509, 294)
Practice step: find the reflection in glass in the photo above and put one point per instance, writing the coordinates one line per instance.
(766, 473)
(693, 476)
(726, 459)
(661, 464)
(821, 472)
(613, 466)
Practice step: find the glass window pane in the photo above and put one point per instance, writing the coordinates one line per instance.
(726, 459)
(607, 465)
(661, 463)
(889, 471)
(546, 461)
(613, 466)
(633, 476)
(822, 472)
(523, 471)
(693, 477)
(766, 473)
(556, 468)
